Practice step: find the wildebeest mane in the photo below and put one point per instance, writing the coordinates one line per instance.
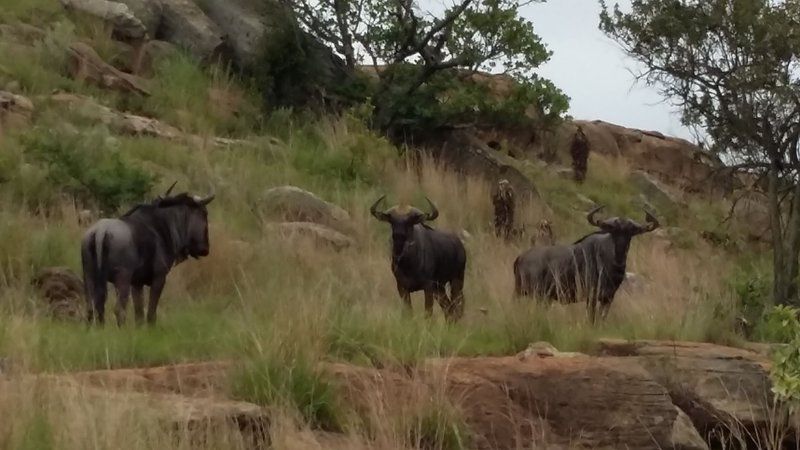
(175, 200)
(588, 236)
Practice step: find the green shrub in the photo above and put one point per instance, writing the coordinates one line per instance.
(439, 426)
(295, 382)
(783, 322)
(88, 166)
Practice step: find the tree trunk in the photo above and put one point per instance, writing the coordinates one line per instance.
(785, 242)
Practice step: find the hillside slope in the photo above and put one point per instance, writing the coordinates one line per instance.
(81, 137)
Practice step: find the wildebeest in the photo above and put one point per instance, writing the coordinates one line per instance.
(591, 269)
(504, 204)
(425, 259)
(139, 249)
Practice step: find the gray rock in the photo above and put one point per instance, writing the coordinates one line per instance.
(119, 15)
(245, 22)
(185, 25)
(148, 12)
(654, 191)
(292, 204)
(320, 234)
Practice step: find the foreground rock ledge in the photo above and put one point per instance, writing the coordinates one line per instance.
(633, 395)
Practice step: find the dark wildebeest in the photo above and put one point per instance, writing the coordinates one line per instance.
(425, 259)
(580, 155)
(591, 269)
(139, 249)
(504, 204)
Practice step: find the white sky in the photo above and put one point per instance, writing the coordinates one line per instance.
(594, 72)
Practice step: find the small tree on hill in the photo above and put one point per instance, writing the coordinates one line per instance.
(411, 49)
(732, 68)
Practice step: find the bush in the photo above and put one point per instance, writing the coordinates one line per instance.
(273, 382)
(88, 166)
(783, 322)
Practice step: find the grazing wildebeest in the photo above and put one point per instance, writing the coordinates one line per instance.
(591, 269)
(425, 259)
(139, 249)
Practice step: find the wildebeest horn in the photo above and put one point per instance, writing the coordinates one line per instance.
(434, 211)
(652, 222)
(380, 215)
(590, 216)
(206, 200)
(169, 191)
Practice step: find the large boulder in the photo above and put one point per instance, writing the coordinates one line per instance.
(751, 214)
(85, 64)
(148, 12)
(465, 153)
(15, 111)
(318, 234)
(724, 390)
(61, 291)
(124, 22)
(292, 204)
(654, 192)
(186, 25)
(245, 22)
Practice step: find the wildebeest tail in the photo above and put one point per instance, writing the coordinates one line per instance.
(518, 290)
(94, 255)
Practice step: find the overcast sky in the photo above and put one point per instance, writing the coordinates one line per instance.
(594, 72)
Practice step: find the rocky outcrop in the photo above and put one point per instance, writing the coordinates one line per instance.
(724, 390)
(673, 160)
(245, 23)
(15, 111)
(292, 204)
(124, 22)
(654, 192)
(132, 124)
(633, 395)
(751, 212)
(318, 234)
(61, 291)
(465, 153)
(86, 65)
(185, 25)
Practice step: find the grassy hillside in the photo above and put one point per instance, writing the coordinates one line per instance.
(274, 304)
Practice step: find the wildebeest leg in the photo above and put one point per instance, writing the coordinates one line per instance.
(155, 294)
(138, 303)
(429, 294)
(100, 292)
(122, 283)
(405, 296)
(455, 307)
(604, 307)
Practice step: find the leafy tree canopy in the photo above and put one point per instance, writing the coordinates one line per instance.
(409, 48)
(732, 67)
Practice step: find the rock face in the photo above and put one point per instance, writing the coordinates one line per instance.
(245, 22)
(118, 14)
(185, 25)
(292, 204)
(466, 153)
(86, 65)
(751, 211)
(674, 160)
(62, 292)
(131, 124)
(723, 390)
(15, 111)
(319, 234)
(654, 192)
(633, 395)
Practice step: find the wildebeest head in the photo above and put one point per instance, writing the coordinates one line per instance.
(197, 242)
(622, 226)
(402, 219)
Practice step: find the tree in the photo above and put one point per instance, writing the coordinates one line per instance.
(410, 49)
(732, 68)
